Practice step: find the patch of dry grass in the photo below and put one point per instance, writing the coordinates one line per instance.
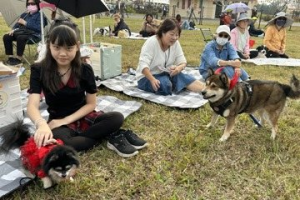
(185, 160)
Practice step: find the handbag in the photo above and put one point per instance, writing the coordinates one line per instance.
(23, 31)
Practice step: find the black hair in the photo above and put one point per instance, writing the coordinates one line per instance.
(65, 21)
(61, 35)
(149, 15)
(168, 25)
(178, 17)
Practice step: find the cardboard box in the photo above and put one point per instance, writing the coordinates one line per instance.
(10, 100)
(7, 70)
(106, 59)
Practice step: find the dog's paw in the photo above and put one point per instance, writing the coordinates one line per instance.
(224, 138)
(47, 182)
(273, 136)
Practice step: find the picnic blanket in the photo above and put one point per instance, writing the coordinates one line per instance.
(136, 36)
(11, 174)
(292, 62)
(127, 84)
(10, 165)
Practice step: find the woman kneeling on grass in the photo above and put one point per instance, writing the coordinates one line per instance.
(70, 92)
(161, 63)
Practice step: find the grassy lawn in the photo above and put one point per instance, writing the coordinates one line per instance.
(185, 160)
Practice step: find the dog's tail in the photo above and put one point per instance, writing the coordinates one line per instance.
(14, 136)
(293, 90)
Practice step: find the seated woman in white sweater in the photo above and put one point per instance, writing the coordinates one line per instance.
(161, 63)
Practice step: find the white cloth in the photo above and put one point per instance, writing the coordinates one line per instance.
(242, 41)
(153, 57)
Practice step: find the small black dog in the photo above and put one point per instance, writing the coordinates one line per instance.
(262, 51)
(52, 163)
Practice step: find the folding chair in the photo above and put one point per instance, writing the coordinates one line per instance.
(207, 34)
(30, 42)
(44, 22)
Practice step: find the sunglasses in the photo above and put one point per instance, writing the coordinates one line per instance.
(31, 4)
(223, 35)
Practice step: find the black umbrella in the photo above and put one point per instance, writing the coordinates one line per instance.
(80, 8)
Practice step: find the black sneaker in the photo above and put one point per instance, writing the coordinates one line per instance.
(134, 140)
(120, 145)
(13, 61)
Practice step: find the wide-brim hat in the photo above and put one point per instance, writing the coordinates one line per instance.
(243, 16)
(288, 22)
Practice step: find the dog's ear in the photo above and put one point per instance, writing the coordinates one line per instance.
(224, 79)
(210, 72)
(259, 48)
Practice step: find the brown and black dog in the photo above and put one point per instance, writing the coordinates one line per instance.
(266, 97)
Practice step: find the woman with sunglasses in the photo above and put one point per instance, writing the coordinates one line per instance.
(220, 53)
(29, 20)
(275, 35)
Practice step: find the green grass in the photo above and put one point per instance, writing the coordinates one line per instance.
(185, 160)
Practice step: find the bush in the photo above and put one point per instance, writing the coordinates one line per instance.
(267, 17)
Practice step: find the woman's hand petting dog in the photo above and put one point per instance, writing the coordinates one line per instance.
(42, 135)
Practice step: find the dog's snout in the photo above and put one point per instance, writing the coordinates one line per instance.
(203, 92)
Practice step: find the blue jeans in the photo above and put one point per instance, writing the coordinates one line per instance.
(167, 83)
(229, 71)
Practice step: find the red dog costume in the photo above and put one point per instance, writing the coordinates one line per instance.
(32, 156)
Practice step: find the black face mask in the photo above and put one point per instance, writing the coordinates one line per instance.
(280, 22)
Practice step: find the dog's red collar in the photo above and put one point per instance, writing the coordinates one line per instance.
(233, 81)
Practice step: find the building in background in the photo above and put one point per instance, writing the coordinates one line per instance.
(211, 9)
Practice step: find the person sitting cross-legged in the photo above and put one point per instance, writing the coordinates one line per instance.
(275, 36)
(149, 27)
(162, 61)
(240, 38)
(220, 53)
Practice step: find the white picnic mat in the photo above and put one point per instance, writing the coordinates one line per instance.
(10, 165)
(292, 62)
(127, 84)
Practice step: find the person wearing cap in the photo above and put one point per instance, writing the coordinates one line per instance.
(275, 36)
(220, 53)
(240, 38)
(162, 61)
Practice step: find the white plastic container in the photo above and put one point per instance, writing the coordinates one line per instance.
(10, 100)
